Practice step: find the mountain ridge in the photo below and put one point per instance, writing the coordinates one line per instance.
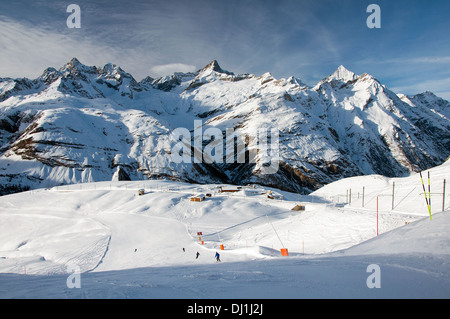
(81, 123)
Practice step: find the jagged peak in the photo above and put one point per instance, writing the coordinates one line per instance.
(49, 75)
(75, 65)
(342, 74)
(110, 67)
(430, 97)
(214, 66)
(427, 93)
(112, 70)
(147, 80)
(75, 62)
(266, 78)
(296, 81)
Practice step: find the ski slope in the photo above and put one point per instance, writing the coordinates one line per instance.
(128, 245)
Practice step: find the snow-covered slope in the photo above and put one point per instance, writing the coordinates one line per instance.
(84, 124)
(128, 245)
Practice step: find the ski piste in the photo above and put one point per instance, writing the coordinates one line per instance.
(129, 245)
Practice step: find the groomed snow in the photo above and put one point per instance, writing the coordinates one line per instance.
(128, 245)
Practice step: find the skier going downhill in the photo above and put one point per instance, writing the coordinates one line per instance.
(217, 257)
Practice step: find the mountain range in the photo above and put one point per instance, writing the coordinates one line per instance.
(84, 123)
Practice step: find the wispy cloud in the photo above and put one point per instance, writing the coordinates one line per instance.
(440, 87)
(27, 51)
(409, 60)
(158, 38)
(427, 59)
(306, 38)
(167, 69)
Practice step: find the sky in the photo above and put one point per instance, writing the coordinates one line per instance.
(307, 39)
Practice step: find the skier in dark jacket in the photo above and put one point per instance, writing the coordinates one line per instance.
(217, 256)
(196, 256)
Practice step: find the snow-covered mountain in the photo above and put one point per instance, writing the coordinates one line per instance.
(85, 123)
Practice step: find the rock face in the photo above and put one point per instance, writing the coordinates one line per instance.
(83, 123)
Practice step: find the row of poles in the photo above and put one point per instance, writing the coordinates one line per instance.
(428, 198)
(284, 251)
(427, 195)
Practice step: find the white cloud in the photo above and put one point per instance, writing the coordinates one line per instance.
(26, 51)
(440, 87)
(414, 60)
(168, 69)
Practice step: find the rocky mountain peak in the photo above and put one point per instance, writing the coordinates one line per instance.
(214, 66)
(49, 75)
(342, 74)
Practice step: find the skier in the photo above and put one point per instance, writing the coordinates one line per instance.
(196, 256)
(184, 249)
(217, 257)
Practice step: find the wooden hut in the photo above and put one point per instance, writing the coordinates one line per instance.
(198, 198)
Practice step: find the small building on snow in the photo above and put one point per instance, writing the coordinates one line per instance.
(198, 198)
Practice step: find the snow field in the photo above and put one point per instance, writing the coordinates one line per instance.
(107, 229)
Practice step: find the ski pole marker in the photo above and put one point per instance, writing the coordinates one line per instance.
(425, 192)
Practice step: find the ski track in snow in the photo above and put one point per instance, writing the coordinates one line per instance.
(130, 246)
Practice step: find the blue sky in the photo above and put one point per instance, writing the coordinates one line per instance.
(306, 39)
